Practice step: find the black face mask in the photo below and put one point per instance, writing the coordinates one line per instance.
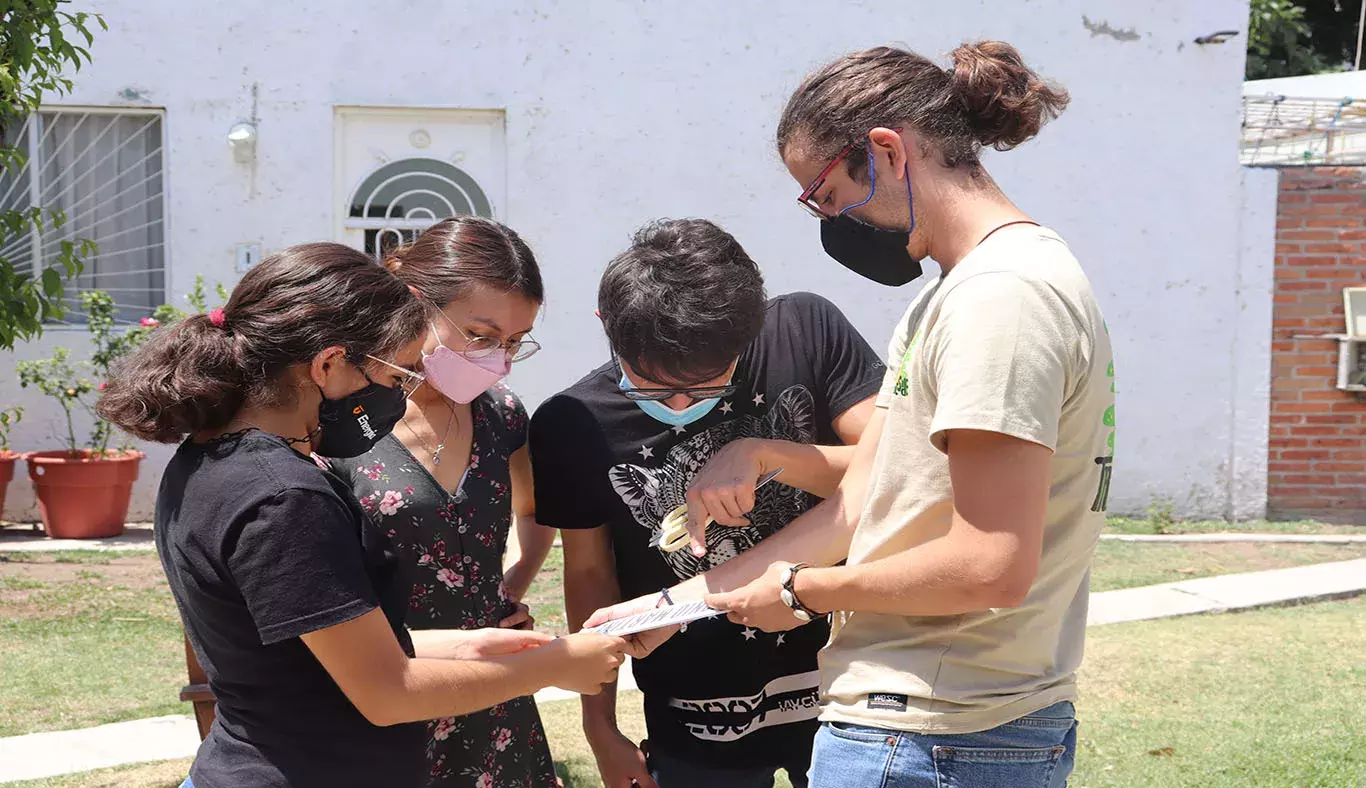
(871, 252)
(352, 425)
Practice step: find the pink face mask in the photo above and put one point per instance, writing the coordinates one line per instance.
(461, 379)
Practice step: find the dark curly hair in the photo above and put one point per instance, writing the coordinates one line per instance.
(682, 302)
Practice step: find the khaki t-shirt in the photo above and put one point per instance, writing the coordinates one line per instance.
(1010, 341)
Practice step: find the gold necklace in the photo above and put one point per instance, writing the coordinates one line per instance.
(435, 452)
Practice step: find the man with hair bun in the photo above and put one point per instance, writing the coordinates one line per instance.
(970, 512)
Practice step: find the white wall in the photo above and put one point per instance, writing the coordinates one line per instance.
(1333, 85)
(1250, 347)
(619, 112)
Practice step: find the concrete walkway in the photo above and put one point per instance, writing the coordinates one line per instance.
(39, 755)
(1226, 538)
(64, 752)
(24, 539)
(1230, 592)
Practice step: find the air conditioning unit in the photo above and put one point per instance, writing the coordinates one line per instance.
(1354, 303)
(1352, 346)
(1352, 364)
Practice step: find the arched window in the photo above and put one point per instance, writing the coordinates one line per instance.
(402, 198)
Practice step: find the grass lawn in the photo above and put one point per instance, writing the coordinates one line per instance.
(1132, 564)
(545, 597)
(1268, 697)
(88, 638)
(85, 639)
(162, 774)
(1118, 565)
(1160, 523)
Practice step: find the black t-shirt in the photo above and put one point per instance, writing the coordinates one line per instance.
(261, 546)
(716, 693)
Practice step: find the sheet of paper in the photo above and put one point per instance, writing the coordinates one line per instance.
(665, 616)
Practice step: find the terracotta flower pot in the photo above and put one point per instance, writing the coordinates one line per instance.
(83, 495)
(7, 460)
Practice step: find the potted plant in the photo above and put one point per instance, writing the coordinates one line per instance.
(84, 488)
(8, 418)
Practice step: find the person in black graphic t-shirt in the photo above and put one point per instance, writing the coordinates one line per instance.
(710, 387)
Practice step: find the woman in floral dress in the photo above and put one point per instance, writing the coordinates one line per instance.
(454, 477)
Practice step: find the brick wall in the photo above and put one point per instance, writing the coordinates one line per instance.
(1317, 461)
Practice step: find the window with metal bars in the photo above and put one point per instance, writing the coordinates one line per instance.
(103, 169)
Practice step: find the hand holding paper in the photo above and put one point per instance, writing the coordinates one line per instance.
(658, 618)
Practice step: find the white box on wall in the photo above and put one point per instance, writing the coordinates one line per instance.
(1352, 363)
(1354, 303)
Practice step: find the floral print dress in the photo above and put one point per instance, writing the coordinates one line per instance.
(452, 547)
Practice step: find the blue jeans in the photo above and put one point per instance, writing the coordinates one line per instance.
(669, 772)
(1035, 751)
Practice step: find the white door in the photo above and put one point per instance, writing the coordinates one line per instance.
(399, 171)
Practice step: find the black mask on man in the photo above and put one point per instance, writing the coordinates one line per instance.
(872, 252)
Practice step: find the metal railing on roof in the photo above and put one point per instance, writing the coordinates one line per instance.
(1282, 131)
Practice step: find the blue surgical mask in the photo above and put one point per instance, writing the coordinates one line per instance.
(664, 414)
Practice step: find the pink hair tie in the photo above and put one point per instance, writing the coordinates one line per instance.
(217, 317)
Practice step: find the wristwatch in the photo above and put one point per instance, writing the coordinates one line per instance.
(789, 595)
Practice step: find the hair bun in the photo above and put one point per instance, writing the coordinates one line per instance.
(1004, 101)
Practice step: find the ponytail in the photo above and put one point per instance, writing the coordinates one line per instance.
(186, 379)
(194, 375)
(1004, 101)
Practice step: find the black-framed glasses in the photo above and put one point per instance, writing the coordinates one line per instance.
(482, 347)
(697, 394)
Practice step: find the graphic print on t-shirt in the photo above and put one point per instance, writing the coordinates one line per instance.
(902, 388)
(651, 493)
(783, 700)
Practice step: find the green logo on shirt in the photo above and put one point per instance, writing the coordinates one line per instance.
(1106, 462)
(903, 386)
